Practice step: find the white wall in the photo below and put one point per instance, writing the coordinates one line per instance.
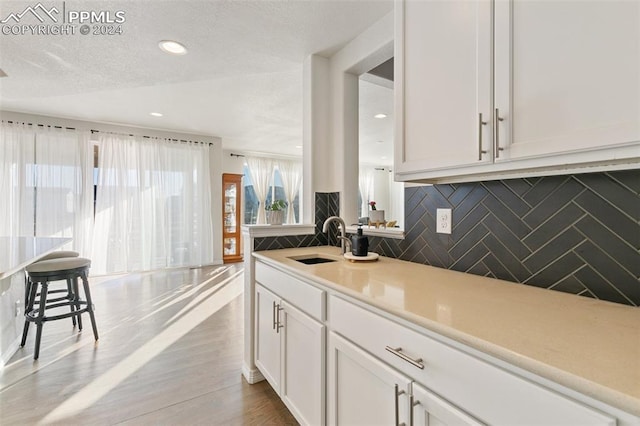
(381, 190)
(331, 113)
(232, 164)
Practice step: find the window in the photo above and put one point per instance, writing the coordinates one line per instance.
(276, 192)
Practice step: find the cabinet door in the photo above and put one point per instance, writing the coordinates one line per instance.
(231, 209)
(267, 344)
(363, 390)
(566, 76)
(303, 348)
(431, 410)
(443, 84)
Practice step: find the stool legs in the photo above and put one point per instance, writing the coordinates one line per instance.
(75, 304)
(32, 290)
(73, 297)
(38, 321)
(87, 293)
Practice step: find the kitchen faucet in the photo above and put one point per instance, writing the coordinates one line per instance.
(343, 229)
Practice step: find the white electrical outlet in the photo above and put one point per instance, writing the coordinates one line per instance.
(443, 221)
(17, 308)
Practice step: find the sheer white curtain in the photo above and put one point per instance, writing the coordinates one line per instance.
(17, 180)
(153, 205)
(291, 174)
(365, 184)
(64, 186)
(261, 171)
(47, 189)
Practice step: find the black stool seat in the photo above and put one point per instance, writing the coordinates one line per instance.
(43, 272)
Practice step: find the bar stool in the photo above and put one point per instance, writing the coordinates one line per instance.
(41, 274)
(68, 293)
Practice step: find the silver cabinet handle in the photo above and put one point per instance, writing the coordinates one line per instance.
(497, 133)
(273, 311)
(397, 393)
(480, 124)
(398, 352)
(278, 325)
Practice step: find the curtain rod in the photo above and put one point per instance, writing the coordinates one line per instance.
(110, 133)
(39, 125)
(236, 155)
(151, 137)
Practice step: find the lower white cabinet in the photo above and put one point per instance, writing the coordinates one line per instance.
(339, 361)
(362, 390)
(268, 336)
(289, 351)
(365, 391)
(430, 409)
(450, 385)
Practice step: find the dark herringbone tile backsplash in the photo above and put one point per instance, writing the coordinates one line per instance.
(327, 204)
(578, 234)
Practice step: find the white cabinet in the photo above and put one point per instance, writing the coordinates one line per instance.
(267, 344)
(442, 77)
(512, 87)
(430, 409)
(290, 344)
(302, 355)
(566, 76)
(339, 360)
(459, 387)
(362, 390)
(365, 391)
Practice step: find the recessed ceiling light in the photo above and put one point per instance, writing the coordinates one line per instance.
(172, 47)
(380, 115)
(156, 114)
(299, 146)
(383, 158)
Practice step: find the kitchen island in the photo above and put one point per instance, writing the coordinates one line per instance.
(585, 349)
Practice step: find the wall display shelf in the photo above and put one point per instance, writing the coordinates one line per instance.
(231, 208)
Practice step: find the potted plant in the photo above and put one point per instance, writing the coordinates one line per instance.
(275, 212)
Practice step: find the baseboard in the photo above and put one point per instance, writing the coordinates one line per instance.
(251, 375)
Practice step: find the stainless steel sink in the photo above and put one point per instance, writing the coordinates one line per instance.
(311, 259)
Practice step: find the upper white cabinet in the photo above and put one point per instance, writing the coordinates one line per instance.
(443, 84)
(512, 87)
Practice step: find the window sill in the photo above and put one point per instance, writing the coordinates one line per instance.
(395, 233)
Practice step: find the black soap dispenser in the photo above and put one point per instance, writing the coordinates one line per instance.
(359, 244)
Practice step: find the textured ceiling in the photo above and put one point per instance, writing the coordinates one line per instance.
(241, 79)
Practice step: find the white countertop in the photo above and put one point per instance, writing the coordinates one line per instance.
(18, 252)
(588, 345)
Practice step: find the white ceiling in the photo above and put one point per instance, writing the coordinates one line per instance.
(241, 79)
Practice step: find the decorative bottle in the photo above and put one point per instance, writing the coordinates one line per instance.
(359, 244)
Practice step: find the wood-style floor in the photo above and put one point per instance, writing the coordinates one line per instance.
(170, 352)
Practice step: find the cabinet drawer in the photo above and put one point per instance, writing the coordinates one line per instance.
(305, 297)
(488, 392)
